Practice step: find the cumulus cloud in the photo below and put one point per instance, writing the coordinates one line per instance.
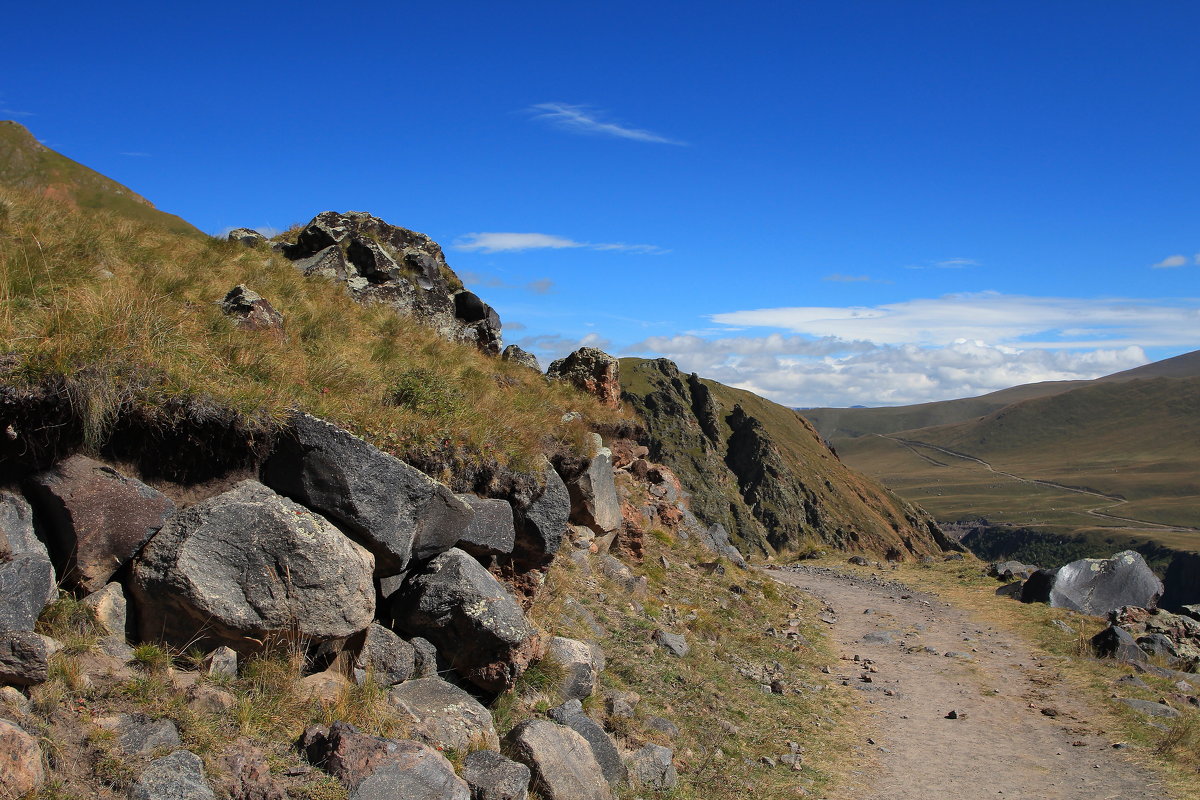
(584, 120)
(1173, 261)
(516, 242)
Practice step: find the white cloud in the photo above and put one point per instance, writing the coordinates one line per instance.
(581, 119)
(838, 277)
(1173, 261)
(136, 155)
(949, 263)
(516, 242)
(478, 279)
(1018, 320)
(550, 348)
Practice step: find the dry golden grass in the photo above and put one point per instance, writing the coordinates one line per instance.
(128, 315)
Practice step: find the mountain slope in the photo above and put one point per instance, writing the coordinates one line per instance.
(762, 472)
(840, 423)
(28, 164)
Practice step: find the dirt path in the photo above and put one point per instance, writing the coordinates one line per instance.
(1018, 733)
(1100, 511)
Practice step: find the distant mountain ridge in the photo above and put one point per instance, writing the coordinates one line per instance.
(28, 164)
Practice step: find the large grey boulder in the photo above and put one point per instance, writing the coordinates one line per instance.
(560, 759)
(492, 531)
(445, 716)
(27, 579)
(491, 776)
(594, 501)
(24, 658)
(604, 750)
(1100, 585)
(544, 520)
(652, 767)
(394, 510)
(476, 625)
(179, 776)
(246, 566)
(372, 768)
(97, 518)
(580, 664)
(384, 657)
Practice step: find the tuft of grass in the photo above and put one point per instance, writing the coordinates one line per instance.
(153, 658)
(72, 622)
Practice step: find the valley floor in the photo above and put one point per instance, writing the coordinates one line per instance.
(1019, 732)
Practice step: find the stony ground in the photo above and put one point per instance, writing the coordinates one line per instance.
(960, 710)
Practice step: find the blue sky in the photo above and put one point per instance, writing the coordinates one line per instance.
(827, 203)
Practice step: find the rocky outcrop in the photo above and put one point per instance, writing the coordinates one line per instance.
(476, 625)
(97, 518)
(21, 771)
(394, 510)
(651, 767)
(492, 531)
(522, 357)
(251, 311)
(384, 657)
(762, 473)
(592, 371)
(403, 269)
(1100, 585)
(444, 716)
(372, 768)
(249, 565)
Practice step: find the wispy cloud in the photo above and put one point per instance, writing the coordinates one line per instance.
(516, 242)
(1170, 262)
(948, 263)
(539, 286)
(838, 277)
(584, 120)
(549, 348)
(136, 155)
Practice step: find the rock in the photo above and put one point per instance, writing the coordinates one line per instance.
(673, 643)
(1115, 642)
(621, 704)
(1150, 708)
(1011, 570)
(1038, 586)
(27, 578)
(858, 561)
(208, 699)
(222, 662)
(593, 495)
(953, 557)
(514, 353)
(468, 615)
(330, 263)
(24, 658)
(372, 768)
(249, 565)
(444, 715)
(1098, 586)
(1156, 644)
(246, 236)
(492, 530)
(543, 521)
(250, 311)
(491, 776)
(137, 734)
(560, 759)
(11, 700)
(651, 767)
(249, 774)
(385, 657)
(97, 518)
(179, 776)
(1132, 680)
(396, 511)
(603, 749)
(592, 371)
(716, 538)
(110, 608)
(663, 726)
(326, 687)
(579, 660)
(425, 658)
(21, 770)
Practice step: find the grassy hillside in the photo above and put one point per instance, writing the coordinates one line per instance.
(106, 319)
(26, 163)
(762, 471)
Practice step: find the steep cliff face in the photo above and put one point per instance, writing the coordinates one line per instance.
(763, 472)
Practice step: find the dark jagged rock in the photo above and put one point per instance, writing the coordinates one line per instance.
(542, 522)
(246, 236)
(592, 371)
(1116, 642)
(406, 270)
(24, 658)
(1181, 582)
(384, 657)
(179, 776)
(514, 353)
(97, 517)
(476, 625)
(1037, 587)
(394, 510)
(1098, 586)
(27, 579)
(593, 493)
(492, 531)
(248, 565)
(250, 311)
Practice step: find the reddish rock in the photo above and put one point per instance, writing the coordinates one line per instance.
(21, 770)
(98, 519)
(371, 767)
(592, 371)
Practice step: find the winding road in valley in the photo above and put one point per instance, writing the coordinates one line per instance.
(959, 710)
(1111, 500)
